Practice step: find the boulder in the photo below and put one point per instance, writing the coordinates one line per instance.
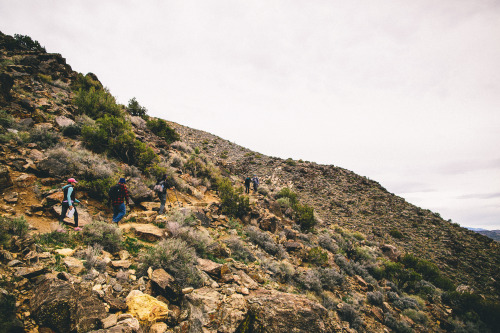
(273, 311)
(64, 307)
(164, 284)
(145, 307)
(148, 232)
(26, 180)
(62, 121)
(11, 197)
(213, 269)
(74, 265)
(5, 180)
(121, 263)
(210, 311)
(31, 272)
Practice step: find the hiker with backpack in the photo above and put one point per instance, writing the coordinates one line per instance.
(248, 180)
(255, 182)
(160, 188)
(118, 194)
(69, 202)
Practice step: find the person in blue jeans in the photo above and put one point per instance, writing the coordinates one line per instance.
(69, 201)
(118, 195)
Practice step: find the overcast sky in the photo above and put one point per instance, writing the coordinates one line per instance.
(406, 93)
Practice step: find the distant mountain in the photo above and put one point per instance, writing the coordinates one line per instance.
(493, 234)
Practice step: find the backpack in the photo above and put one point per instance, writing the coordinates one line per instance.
(114, 192)
(158, 188)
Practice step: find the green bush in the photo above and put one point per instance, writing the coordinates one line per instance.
(58, 238)
(6, 121)
(161, 129)
(317, 256)
(96, 103)
(98, 188)
(27, 43)
(233, 203)
(305, 217)
(13, 226)
(114, 135)
(287, 193)
(396, 233)
(109, 236)
(175, 257)
(135, 109)
(85, 82)
(472, 307)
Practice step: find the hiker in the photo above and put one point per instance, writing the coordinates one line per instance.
(255, 182)
(118, 194)
(69, 202)
(248, 180)
(161, 187)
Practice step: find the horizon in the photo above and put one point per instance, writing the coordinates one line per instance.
(411, 102)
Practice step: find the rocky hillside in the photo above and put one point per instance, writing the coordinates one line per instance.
(316, 249)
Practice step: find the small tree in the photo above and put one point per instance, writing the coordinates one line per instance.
(161, 128)
(135, 109)
(27, 43)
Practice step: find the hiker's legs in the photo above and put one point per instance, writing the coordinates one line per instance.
(75, 216)
(247, 189)
(118, 212)
(163, 200)
(64, 210)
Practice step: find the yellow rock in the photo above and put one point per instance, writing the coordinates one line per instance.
(145, 307)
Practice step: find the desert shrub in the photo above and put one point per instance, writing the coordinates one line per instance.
(426, 290)
(428, 271)
(283, 271)
(265, 241)
(135, 109)
(472, 307)
(175, 257)
(330, 278)
(80, 163)
(317, 256)
(92, 261)
(44, 137)
(161, 129)
(396, 325)
(196, 239)
(310, 280)
(96, 103)
(72, 131)
(98, 188)
(114, 136)
(348, 313)
(404, 303)
(56, 238)
(104, 234)
(27, 43)
(182, 146)
(132, 245)
(13, 226)
(289, 194)
(284, 202)
(326, 242)
(85, 82)
(233, 203)
(305, 216)
(417, 316)
(6, 121)
(363, 254)
(239, 250)
(375, 298)
(396, 233)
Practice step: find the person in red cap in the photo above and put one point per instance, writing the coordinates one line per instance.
(69, 201)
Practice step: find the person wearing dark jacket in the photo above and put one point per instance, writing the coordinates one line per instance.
(248, 180)
(69, 201)
(118, 201)
(167, 183)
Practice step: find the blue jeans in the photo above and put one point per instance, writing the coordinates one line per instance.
(118, 212)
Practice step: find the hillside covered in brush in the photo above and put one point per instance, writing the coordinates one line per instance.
(316, 248)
